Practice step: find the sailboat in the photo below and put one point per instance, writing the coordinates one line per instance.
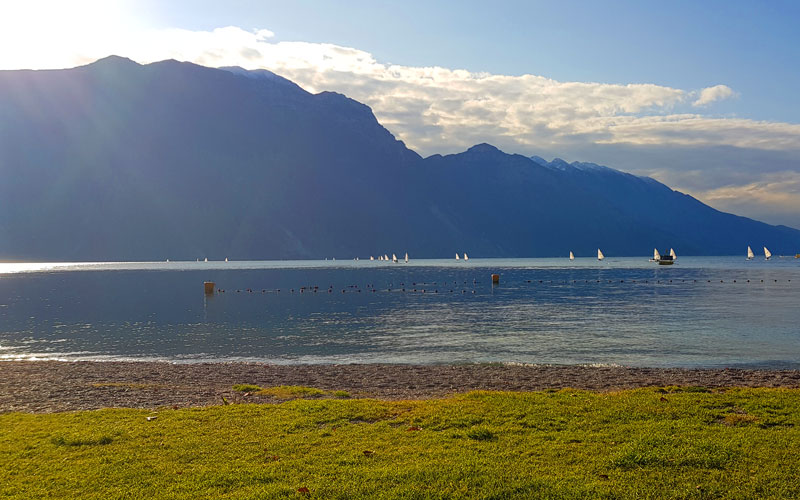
(394, 258)
(672, 254)
(371, 257)
(571, 255)
(600, 255)
(406, 257)
(226, 259)
(206, 259)
(767, 254)
(750, 253)
(385, 257)
(656, 256)
(665, 260)
(457, 257)
(465, 256)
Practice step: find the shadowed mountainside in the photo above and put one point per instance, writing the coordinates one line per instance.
(121, 161)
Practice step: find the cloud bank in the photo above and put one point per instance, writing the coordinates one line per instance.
(442, 110)
(437, 109)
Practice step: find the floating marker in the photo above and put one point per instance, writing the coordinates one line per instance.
(495, 278)
(208, 286)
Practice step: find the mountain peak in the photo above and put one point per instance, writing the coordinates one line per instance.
(261, 74)
(483, 148)
(114, 60)
(539, 160)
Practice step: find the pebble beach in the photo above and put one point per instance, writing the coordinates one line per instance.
(54, 386)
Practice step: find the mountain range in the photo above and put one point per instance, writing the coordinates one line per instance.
(121, 161)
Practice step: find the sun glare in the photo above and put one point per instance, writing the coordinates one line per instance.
(37, 34)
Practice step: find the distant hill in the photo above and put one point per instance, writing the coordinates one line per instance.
(121, 161)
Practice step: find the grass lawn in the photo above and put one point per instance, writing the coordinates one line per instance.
(647, 443)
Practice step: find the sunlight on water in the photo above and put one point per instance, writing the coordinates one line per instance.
(702, 311)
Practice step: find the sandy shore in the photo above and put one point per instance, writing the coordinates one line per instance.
(50, 386)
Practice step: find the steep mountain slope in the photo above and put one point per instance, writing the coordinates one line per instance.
(117, 160)
(121, 161)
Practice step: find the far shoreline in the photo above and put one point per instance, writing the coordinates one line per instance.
(56, 386)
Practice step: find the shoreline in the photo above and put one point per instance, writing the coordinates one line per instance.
(57, 386)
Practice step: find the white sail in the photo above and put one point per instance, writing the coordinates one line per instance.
(226, 259)
(465, 256)
(406, 257)
(656, 255)
(457, 257)
(571, 255)
(600, 255)
(672, 254)
(371, 257)
(206, 259)
(767, 253)
(750, 253)
(385, 257)
(394, 258)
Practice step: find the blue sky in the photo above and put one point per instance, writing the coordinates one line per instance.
(683, 44)
(699, 95)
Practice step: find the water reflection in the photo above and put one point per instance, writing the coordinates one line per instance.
(692, 314)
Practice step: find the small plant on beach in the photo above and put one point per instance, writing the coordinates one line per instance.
(290, 392)
(246, 388)
(695, 388)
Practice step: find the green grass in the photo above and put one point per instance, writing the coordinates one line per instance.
(648, 443)
(291, 392)
(286, 392)
(246, 388)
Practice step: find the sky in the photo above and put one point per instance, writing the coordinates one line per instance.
(702, 96)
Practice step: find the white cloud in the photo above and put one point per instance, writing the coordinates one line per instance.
(775, 197)
(263, 34)
(436, 109)
(712, 94)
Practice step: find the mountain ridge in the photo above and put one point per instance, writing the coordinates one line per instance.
(121, 161)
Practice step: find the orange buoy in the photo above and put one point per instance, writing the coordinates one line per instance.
(495, 278)
(208, 286)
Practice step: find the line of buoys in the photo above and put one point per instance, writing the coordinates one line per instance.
(345, 290)
(209, 287)
(648, 281)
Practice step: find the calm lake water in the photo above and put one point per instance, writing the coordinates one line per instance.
(702, 311)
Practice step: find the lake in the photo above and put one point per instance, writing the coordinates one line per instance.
(700, 312)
